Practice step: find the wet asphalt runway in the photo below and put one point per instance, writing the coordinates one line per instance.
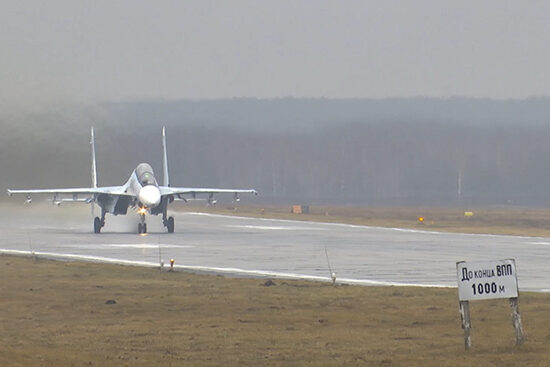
(264, 247)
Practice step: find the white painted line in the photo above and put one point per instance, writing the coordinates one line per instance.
(54, 255)
(275, 228)
(213, 269)
(46, 227)
(406, 230)
(140, 245)
(123, 245)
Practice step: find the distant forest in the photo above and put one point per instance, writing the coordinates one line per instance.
(415, 151)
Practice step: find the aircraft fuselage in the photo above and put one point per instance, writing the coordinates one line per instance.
(143, 188)
(143, 185)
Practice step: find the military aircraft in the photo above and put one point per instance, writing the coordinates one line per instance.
(141, 192)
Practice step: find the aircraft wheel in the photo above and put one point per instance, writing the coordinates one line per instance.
(97, 225)
(142, 228)
(170, 225)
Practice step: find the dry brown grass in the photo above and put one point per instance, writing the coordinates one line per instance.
(497, 220)
(54, 314)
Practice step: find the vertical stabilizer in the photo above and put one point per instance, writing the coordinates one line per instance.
(94, 168)
(165, 159)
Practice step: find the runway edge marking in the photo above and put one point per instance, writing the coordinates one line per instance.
(406, 230)
(217, 270)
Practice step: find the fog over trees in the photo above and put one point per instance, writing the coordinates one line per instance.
(415, 151)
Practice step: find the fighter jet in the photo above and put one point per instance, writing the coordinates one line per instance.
(142, 192)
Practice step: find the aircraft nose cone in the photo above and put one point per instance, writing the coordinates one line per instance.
(149, 196)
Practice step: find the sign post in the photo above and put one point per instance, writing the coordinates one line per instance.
(466, 325)
(488, 280)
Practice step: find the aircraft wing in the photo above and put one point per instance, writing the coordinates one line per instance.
(109, 190)
(166, 190)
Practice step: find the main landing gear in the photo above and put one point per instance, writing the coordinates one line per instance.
(168, 223)
(99, 223)
(142, 226)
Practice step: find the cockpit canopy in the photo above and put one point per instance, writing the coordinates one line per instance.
(145, 175)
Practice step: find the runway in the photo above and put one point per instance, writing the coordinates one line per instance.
(270, 248)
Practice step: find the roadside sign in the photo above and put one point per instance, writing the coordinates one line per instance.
(487, 280)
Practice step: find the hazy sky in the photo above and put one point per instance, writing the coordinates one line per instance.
(86, 51)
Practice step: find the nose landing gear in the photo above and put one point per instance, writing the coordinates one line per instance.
(142, 226)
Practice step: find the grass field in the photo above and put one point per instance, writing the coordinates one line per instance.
(57, 314)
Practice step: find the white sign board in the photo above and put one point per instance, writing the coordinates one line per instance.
(486, 280)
